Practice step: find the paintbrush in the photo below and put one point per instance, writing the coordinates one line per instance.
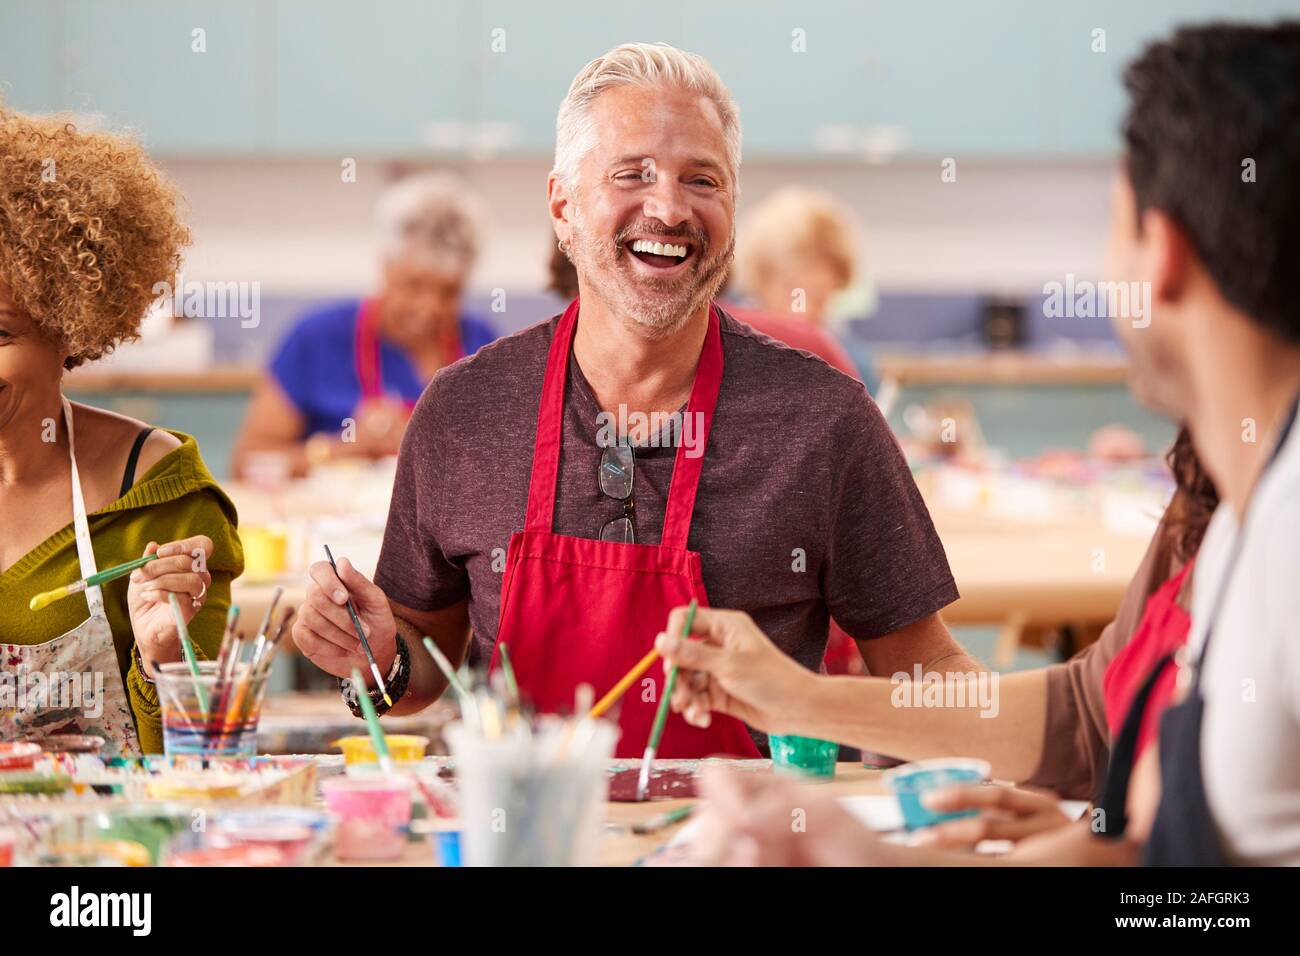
(508, 671)
(665, 819)
(259, 642)
(489, 712)
(229, 641)
(249, 690)
(377, 738)
(365, 645)
(187, 650)
(661, 715)
(260, 668)
(262, 663)
(46, 598)
(227, 636)
(468, 704)
(578, 728)
(619, 689)
(444, 665)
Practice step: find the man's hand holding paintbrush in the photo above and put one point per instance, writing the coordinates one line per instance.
(325, 630)
(326, 633)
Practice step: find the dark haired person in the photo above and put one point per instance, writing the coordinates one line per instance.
(1206, 213)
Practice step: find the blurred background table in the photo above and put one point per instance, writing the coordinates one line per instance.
(1043, 563)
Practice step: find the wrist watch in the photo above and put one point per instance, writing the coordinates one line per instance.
(397, 678)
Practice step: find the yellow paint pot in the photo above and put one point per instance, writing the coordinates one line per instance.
(403, 748)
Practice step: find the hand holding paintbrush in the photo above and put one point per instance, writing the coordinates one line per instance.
(361, 636)
(345, 622)
(175, 568)
(661, 715)
(179, 569)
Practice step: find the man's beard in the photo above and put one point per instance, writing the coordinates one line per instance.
(658, 307)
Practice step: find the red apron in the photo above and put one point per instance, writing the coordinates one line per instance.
(366, 356)
(1162, 629)
(580, 610)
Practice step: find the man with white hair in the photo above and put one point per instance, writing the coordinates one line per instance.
(344, 380)
(562, 490)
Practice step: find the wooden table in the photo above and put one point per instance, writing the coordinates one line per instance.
(624, 848)
(1009, 367)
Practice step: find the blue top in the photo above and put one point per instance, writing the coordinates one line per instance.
(316, 364)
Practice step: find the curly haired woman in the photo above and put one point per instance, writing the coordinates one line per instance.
(88, 226)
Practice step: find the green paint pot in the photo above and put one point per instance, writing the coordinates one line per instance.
(150, 824)
(804, 756)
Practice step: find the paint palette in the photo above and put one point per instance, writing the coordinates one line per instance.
(668, 783)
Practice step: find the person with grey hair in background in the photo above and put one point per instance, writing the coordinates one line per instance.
(343, 382)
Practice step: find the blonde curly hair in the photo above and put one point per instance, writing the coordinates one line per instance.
(88, 227)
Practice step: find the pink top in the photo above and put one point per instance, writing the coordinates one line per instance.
(797, 334)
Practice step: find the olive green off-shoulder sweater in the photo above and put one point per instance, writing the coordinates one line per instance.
(176, 498)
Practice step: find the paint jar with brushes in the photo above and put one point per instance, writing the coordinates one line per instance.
(211, 709)
(530, 795)
(198, 719)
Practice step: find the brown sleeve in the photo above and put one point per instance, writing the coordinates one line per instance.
(1076, 739)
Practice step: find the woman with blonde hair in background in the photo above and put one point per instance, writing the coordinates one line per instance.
(797, 257)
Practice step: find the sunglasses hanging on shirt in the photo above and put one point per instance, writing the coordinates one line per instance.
(617, 474)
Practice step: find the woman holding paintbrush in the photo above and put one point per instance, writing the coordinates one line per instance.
(88, 232)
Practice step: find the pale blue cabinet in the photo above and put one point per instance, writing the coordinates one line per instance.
(28, 59)
(183, 73)
(371, 78)
(525, 54)
(1084, 89)
(836, 79)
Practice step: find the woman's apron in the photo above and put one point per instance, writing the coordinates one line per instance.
(1162, 630)
(579, 610)
(1183, 832)
(368, 360)
(87, 651)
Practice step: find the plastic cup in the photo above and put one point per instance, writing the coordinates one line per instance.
(803, 756)
(446, 847)
(219, 722)
(912, 780)
(532, 799)
(374, 816)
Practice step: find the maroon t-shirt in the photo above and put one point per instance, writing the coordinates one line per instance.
(806, 507)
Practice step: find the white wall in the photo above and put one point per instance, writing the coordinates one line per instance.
(297, 228)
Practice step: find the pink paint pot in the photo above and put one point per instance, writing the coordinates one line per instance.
(374, 815)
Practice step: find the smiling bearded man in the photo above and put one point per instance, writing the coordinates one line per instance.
(511, 514)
